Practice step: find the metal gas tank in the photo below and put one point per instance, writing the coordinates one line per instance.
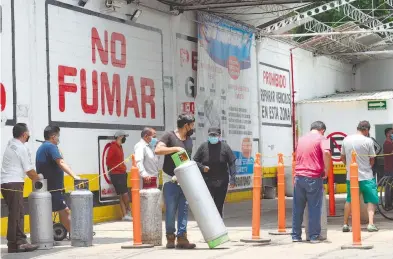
(81, 200)
(40, 210)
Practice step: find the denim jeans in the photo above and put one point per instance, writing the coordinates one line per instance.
(310, 191)
(175, 201)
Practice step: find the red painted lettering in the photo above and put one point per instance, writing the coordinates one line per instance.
(274, 79)
(122, 61)
(148, 99)
(96, 44)
(110, 95)
(89, 108)
(3, 97)
(65, 87)
(134, 102)
(194, 60)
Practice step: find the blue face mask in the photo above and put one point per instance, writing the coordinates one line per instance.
(153, 142)
(213, 140)
(391, 136)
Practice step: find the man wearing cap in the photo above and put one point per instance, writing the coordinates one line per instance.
(216, 161)
(175, 201)
(118, 172)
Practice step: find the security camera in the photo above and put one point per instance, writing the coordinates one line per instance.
(82, 2)
(112, 3)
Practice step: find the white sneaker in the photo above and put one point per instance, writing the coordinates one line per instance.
(127, 217)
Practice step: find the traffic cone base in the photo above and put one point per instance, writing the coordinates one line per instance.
(360, 247)
(281, 232)
(255, 240)
(141, 246)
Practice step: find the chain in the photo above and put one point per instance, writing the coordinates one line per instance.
(80, 184)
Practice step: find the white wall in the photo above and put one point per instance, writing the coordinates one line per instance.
(374, 75)
(343, 116)
(313, 77)
(79, 145)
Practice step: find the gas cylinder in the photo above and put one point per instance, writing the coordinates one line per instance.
(40, 210)
(151, 214)
(200, 201)
(81, 200)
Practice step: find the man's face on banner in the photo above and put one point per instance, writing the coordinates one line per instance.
(246, 147)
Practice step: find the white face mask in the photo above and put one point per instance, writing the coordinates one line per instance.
(57, 140)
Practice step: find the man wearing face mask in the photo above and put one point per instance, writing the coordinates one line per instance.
(146, 159)
(51, 165)
(388, 165)
(388, 150)
(215, 159)
(118, 172)
(170, 143)
(16, 165)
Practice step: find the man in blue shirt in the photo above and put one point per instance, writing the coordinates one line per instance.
(50, 163)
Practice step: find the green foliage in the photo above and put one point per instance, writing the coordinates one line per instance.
(337, 17)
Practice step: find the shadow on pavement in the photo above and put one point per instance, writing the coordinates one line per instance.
(34, 254)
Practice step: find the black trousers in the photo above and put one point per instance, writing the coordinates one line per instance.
(218, 190)
(14, 201)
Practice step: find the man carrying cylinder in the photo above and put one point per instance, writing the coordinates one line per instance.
(170, 143)
(312, 166)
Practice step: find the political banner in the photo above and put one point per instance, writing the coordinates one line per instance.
(224, 92)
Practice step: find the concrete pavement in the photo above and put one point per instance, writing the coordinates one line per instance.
(111, 236)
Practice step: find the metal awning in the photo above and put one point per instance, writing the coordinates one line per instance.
(299, 23)
(351, 97)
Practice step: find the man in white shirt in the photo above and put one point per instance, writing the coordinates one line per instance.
(365, 158)
(16, 165)
(146, 160)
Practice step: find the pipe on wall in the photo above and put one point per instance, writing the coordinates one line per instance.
(294, 139)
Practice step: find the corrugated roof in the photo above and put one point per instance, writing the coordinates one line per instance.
(352, 96)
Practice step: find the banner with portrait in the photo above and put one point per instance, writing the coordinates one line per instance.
(225, 88)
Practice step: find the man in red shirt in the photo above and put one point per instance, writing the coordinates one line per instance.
(118, 172)
(312, 164)
(388, 164)
(387, 150)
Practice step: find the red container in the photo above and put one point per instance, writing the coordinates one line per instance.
(151, 185)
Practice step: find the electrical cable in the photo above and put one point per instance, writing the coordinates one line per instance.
(267, 12)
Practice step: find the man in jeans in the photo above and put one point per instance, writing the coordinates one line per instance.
(364, 148)
(312, 164)
(170, 143)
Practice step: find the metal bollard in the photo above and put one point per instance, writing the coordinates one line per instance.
(136, 210)
(324, 222)
(355, 208)
(81, 214)
(281, 207)
(256, 204)
(151, 215)
(40, 210)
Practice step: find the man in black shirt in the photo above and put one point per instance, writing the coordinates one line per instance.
(216, 159)
(170, 143)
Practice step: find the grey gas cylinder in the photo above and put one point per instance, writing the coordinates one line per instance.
(40, 210)
(81, 200)
(151, 216)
